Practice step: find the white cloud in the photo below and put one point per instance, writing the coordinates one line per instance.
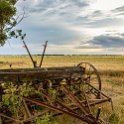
(107, 4)
(69, 23)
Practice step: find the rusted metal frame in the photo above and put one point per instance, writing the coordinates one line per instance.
(42, 57)
(95, 70)
(25, 120)
(66, 107)
(33, 117)
(98, 91)
(10, 118)
(109, 99)
(93, 120)
(75, 108)
(26, 109)
(98, 102)
(92, 102)
(46, 96)
(99, 121)
(76, 100)
(94, 92)
(86, 114)
(87, 102)
(33, 62)
(54, 108)
(63, 105)
(60, 103)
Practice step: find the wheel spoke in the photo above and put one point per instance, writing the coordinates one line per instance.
(91, 77)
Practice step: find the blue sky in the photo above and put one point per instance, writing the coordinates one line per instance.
(71, 27)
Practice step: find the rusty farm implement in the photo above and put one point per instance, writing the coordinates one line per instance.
(56, 90)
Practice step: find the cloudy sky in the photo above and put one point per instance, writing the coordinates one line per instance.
(71, 27)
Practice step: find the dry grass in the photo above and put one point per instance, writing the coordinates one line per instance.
(111, 69)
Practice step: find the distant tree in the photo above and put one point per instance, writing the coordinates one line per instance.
(8, 20)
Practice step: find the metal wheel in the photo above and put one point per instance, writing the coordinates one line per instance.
(91, 79)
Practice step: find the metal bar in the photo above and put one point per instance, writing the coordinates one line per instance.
(60, 103)
(98, 113)
(98, 91)
(29, 54)
(87, 116)
(98, 102)
(32, 117)
(72, 110)
(88, 106)
(54, 108)
(26, 109)
(92, 102)
(59, 70)
(76, 100)
(42, 57)
(63, 105)
(90, 118)
(112, 104)
(45, 95)
(2, 115)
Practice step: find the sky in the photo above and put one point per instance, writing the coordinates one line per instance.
(70, 26)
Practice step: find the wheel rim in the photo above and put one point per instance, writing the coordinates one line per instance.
(90, 77)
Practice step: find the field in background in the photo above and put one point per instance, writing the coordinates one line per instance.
(111, 69)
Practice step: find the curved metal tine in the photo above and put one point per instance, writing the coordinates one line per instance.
(85, 112)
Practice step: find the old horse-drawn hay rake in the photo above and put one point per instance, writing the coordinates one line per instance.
(59, 90)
